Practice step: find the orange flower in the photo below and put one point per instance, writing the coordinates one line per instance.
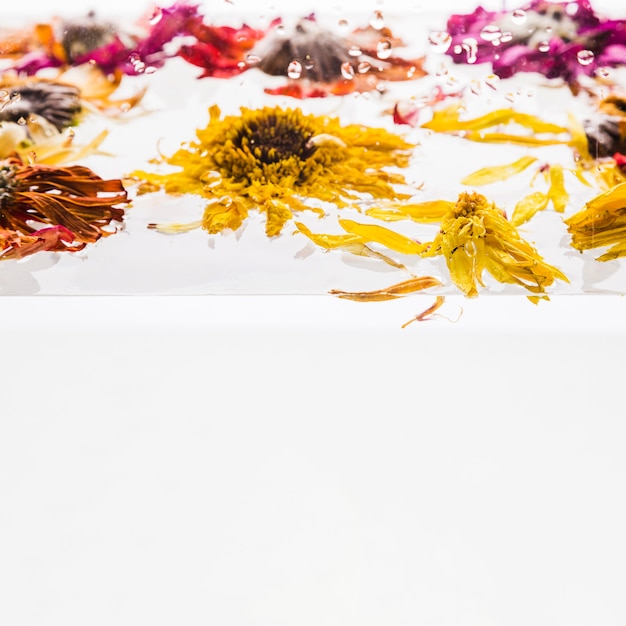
(55, 208)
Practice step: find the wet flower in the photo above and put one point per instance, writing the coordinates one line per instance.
(317, 62)
(475, 237)
(220, 51)
(606, 130)
(56, 103)
(55, 208)
(71, 42)
(275, 160)
(563, 40)
(601, 224)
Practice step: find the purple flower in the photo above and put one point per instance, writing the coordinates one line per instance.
(563, 40)
(78, 41)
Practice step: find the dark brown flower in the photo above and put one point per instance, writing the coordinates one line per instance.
(59, 104)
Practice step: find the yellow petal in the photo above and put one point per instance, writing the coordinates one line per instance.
(449, 119)
(579, 139)
(278, 214)
(614, 198)
(380, 234)
(528, 206)
(557, 192)
(423, 212)
(498, 173)
(327, 241)
(349, 243)
(225, 213)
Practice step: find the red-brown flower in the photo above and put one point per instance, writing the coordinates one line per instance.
(55, 208)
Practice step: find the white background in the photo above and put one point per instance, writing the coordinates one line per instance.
(281, 460)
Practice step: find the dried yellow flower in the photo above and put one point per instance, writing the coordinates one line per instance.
(601, 223)
(476, 237)
(274, 160)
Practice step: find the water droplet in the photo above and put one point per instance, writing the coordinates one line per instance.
(4, 94)
(491, 32)
(603, 72)
(411, 71)
(15, 96)
(492, 81)
(458, 49)
(22, 121)
(355, 51)
(442, 70)
(125, 107)
(384, 49)
(280, 29)
(572, 8)
(294, 69)
(156, 16)
(138, 65)
(343, 24)
(543, 46)
(585, 57)
(506, 36)
(347, 71)
(470, 45)
(377, 21)
(510, 96)
(363, 67)
(70, 133)
(476, 87)
(309, 64)
(518, 16)
(252, 59)
(440, 40)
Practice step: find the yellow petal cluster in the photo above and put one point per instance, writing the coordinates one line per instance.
(476, 237)
(538, 132)
(274, 160)
(601, 223)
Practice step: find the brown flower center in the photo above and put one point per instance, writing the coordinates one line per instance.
(272, 138)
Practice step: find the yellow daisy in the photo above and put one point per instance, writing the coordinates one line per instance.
(275, 160)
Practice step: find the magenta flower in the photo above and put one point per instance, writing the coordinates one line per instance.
(563, 40)
(65, 43)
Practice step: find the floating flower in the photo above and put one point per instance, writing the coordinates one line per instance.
(475, 237)
(601, 223)
(220, 51)
(52, 208)
(273, 160)
(317, 62)
(56, 103)
(563, 40)
(596, 143)
(142, 48)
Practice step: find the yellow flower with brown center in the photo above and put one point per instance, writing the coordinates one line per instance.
(475, 237)
(276, 160)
